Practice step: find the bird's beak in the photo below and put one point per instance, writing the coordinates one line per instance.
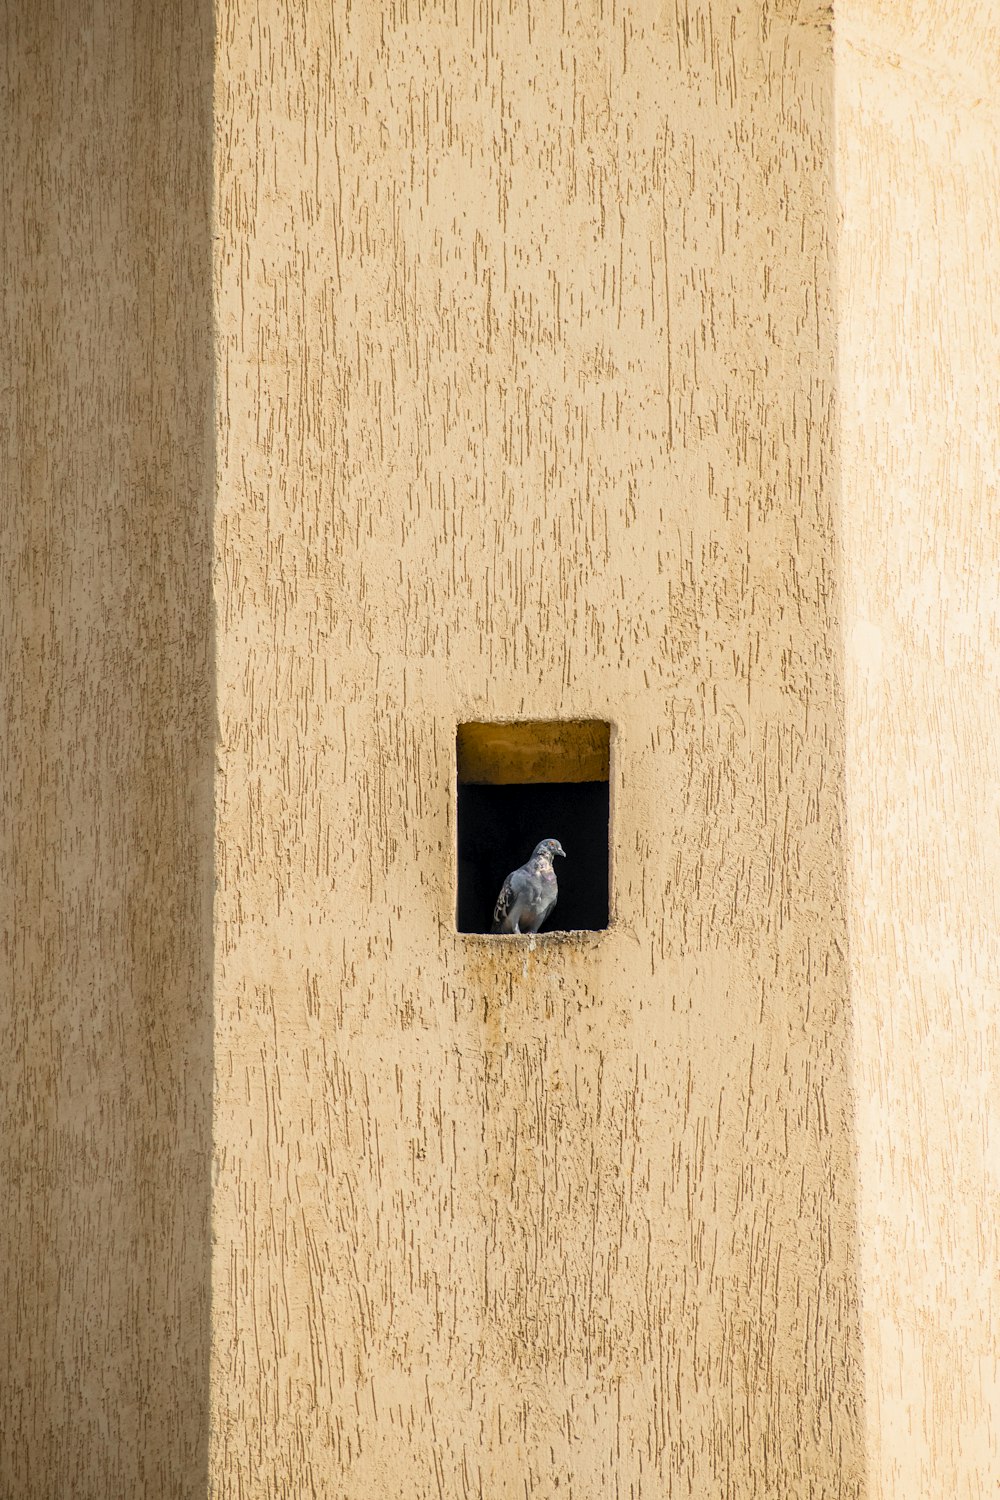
(560, 850)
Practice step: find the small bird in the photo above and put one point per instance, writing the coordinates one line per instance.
(529, 893)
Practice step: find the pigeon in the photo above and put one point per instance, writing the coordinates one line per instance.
(529, 894)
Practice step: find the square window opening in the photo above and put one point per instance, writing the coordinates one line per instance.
(523, 782)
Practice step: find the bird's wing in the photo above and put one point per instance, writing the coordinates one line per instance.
(512, 891)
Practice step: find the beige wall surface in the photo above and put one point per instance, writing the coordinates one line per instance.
(490, 360)
(105, 748)
(918, 166)
(527, 407)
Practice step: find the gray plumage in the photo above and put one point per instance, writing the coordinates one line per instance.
(529, 893)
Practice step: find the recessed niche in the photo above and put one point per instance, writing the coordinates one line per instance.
(521, 783)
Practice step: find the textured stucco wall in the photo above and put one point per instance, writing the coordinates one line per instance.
(105, 748)
(918, 167)
(527, 407)
(528, 361)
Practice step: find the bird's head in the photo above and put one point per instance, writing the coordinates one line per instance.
(549, 848)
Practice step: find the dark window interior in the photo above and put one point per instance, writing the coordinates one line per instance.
(500, 819)
(499, 826)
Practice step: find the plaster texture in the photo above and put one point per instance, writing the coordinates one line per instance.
(374, 370)
(106, 769)
(528, 409)
(919, 291)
